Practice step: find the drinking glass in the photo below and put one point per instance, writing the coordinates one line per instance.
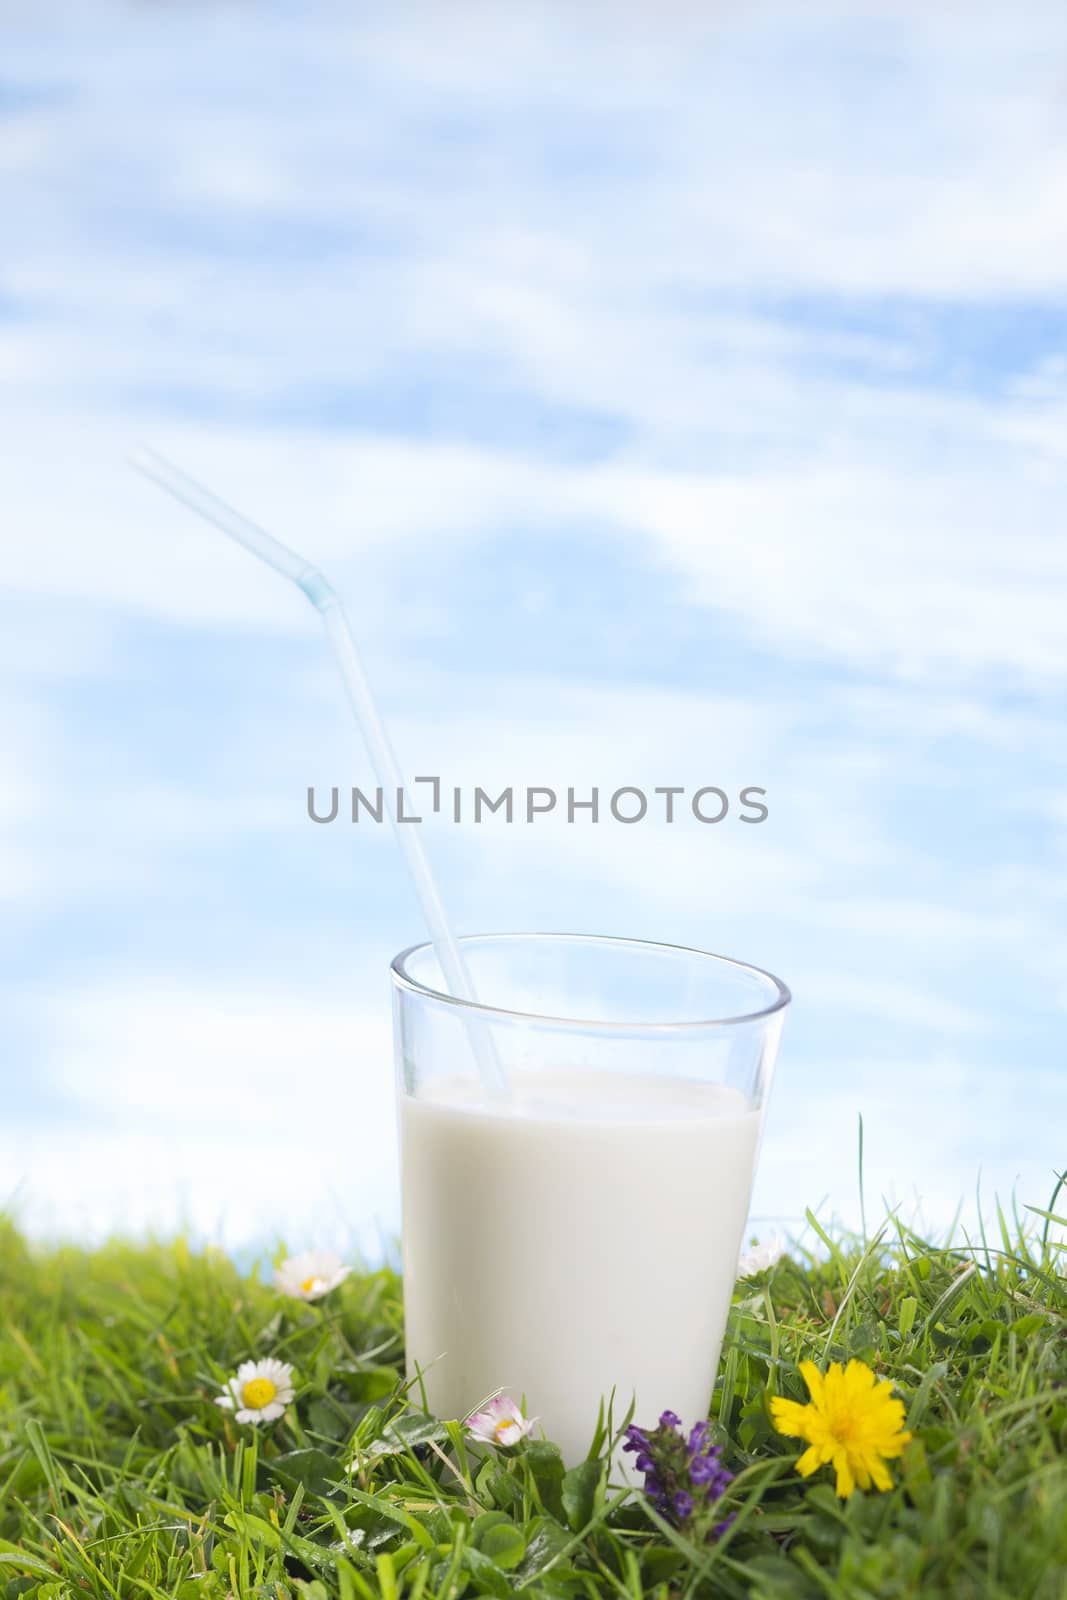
(574, 1240)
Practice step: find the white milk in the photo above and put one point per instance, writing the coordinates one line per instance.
(583, 1236)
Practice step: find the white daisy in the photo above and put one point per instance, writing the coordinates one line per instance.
(260, 1392)
(761, 1258)
(310, 1276)
(500, 1422)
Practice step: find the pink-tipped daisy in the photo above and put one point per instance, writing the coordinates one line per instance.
(500, 1422)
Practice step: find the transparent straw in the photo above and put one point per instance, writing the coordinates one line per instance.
(328, 604)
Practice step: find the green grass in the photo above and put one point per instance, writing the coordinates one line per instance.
(120, 1477)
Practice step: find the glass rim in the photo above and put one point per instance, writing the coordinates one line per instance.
(404, 980)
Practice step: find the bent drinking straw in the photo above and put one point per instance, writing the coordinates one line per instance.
(328, 604)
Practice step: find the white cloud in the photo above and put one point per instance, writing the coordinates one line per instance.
(914, 579)
(942, 577)
(912, 528)
(238, 1113)
(246, 1116)
(884, 1000)
(934, 1130)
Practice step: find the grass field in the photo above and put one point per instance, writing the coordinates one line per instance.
(119, 1476)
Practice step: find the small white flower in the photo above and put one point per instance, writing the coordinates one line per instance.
(761, 1258)
(310, 1276)
(260, 1392)
(500, 1422)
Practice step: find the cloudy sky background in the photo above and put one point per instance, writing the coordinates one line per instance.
(679, 399)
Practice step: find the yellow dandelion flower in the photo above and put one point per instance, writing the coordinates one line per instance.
(852, 1422)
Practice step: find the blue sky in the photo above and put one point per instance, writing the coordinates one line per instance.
(675, 402)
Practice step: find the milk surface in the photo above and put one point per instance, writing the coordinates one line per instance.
(581, 1236)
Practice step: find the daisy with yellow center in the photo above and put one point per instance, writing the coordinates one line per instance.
(311, 1275)
(852, 1422)
(501, 1422)
(260, 1391)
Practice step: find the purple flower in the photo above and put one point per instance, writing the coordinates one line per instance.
(699, 1435)
(684, 1474)
(704, 1469)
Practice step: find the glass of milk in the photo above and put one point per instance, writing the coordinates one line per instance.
(578, 1235)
